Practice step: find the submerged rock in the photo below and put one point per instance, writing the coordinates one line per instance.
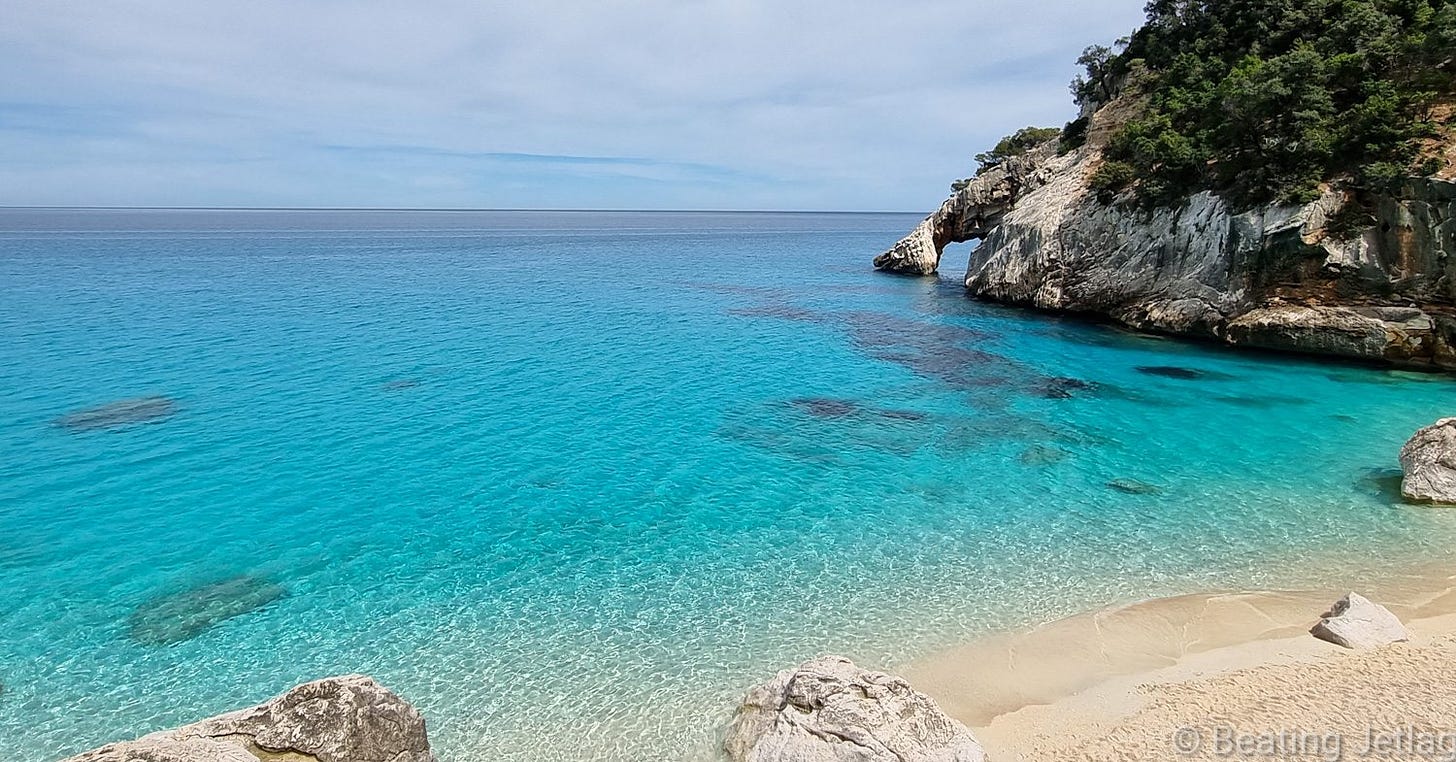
(120, 413)
(825, 407)
(1357, 622)
(902, 415)
(1042, 455)
(1383, 483)
(338, 719)
(936, 350)
(1061, 387)
(182, 616)
(780, 312)
(829, 710)
(1134, 487)
(1172, 372)
(1428, 461)
(1267, 402)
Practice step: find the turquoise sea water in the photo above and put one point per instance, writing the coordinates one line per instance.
(571, 482)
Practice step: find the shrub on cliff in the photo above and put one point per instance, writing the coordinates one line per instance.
(1015, 144)
(1262, 100)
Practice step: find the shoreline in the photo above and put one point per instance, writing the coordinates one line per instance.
(1098, 684)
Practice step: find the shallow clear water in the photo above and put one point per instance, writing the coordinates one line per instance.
(572, 481)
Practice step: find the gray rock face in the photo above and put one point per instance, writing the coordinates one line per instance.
(1357, 622)
(969, 213)
(829, 710)
(1428, 462)
(337, 719)
(1273, 277)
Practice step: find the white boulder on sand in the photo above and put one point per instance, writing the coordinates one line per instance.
(1429, 463)
(829, 710)
(1357, 622)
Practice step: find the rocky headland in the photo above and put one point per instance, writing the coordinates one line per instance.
(1274, 277)
(1195, 200)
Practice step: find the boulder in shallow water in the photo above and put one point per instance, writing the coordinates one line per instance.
(829, 710)
(1428, 462)
(119, 413)
(182, 616)
(337, 719)
(1357, 622)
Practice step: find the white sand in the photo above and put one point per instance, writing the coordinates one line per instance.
(1225, 676)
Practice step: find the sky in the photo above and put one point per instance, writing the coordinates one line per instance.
(657, 104)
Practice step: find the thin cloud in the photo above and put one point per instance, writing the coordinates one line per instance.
(718, 103)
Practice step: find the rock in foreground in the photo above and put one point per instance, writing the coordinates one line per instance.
(1428, 461)
(1357, 622)
(829, 710)
(337, 719)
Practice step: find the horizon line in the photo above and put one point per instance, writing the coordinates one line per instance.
(436, 209)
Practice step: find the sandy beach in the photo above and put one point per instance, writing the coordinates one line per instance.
(1230, 675)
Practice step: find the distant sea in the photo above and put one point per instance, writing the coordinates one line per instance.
(571, 482)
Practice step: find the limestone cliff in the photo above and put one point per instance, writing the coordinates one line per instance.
(1376, 283)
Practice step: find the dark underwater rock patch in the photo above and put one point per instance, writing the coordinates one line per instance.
(1042, 455)
(1260, 403)
(827, 407)
(935, 350)
(739, 289)
(120, 413)
(1383, 483)
(1063, 387)
(1183, 374)
(20, 555)
(177, 617)
(1129, 486)
(779, 312)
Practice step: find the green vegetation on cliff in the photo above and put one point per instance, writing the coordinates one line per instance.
(1262, 100)
(1015, 144)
